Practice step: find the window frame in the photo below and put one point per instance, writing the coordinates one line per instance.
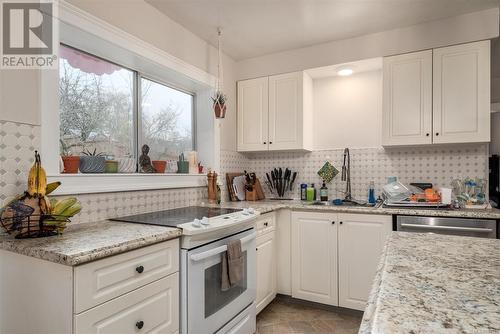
(99, 37)
(137, 77)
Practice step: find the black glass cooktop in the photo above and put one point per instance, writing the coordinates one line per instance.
(175, 217)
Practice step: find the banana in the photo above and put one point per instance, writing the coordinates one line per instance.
(45, 205)
(62, 205)
(53, 202)
(72, 210)
(37, 178)
(51, 187)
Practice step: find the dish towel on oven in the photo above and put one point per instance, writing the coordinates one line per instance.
(232, 265)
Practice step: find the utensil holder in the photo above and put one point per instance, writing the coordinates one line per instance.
(251, 195)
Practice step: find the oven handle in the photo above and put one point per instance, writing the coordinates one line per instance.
(451, 228)
(220, 249)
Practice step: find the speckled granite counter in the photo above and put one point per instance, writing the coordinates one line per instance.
(271, 205)
(429, 283)
(86, 242)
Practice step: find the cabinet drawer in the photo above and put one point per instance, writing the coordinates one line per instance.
(102, 280)
(265, 224)
(153, 308)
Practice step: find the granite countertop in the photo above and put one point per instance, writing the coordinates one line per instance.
(87, 242)
(265, 206)
(428, 283)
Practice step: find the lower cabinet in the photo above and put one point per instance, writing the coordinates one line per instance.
(361, 239)
(335, 256)
(266, 261)
(314, 257)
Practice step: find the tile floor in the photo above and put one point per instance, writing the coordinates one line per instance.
(284, 316)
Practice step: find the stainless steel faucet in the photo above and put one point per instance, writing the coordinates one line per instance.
(346, 174)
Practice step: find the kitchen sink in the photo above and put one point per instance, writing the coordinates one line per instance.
(360, 204)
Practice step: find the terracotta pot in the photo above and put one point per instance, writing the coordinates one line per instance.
(220, 111)
(159, 166)
(71, 164)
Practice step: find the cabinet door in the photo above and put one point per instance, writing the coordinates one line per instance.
(154, 308)
(407, 99)
(266, 270)
(253, 115)
(361, 240)
(285, 111)
(314, 257)
(462, 93)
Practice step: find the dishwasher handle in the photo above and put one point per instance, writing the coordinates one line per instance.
(448, 228)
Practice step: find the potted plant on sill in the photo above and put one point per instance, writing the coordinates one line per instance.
(92, 162)
(219, 104)
(71, 162)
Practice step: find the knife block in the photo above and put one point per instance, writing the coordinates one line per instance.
(251, 195)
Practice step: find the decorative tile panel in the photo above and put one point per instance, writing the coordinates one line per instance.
(437, 164)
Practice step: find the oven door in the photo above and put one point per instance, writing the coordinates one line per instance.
(208, 307)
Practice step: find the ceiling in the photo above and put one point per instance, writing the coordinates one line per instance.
(253, 28)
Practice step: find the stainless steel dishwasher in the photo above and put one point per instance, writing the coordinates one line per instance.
(482, 228)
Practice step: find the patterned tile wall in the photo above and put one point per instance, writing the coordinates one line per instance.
(437, 164)
(17, 144)
(231, 162)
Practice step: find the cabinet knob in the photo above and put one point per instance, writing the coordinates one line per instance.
(265, 143)
(270, 142)
(333, 223)
(437, 133)
(265, 224)
(427, 134)
(256, 249)
(140, 269)
(139, 324)
(341, 223)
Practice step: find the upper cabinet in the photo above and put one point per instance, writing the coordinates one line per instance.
(437, 96)
(461, 93)
(407, 100)
(274, 113)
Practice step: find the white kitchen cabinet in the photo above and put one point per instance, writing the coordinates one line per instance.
(407, 99)
(109, 295)
(283, 252)
(266, 261)
(253, 115)
(314, 257)
(437, 96)
(461, 105)
(361, 240)
(153, 308)
(275, 113)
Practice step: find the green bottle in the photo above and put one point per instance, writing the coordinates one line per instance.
(310, 193)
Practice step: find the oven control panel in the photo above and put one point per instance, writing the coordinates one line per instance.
(205, 224)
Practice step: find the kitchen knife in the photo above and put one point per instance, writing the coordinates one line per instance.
(269, 179)
(293, 180)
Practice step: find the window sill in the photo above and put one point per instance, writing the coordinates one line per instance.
(102, 183)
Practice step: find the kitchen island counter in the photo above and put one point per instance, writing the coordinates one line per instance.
(429, 283)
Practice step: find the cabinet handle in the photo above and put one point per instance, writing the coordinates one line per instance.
(270, 142)
(140, 269)
(265, 224)
(427, 134)
(256, 249)
(265, 143)
(341, 223)
(333, 223)
(139, 324)
(437, 133)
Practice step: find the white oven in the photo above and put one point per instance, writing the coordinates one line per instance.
(205, 308)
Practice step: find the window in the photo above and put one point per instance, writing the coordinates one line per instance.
(113, 110)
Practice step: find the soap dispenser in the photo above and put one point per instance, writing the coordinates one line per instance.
(323, 193)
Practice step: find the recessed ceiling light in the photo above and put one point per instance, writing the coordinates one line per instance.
(345, 72)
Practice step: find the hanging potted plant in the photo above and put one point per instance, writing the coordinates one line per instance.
(219, 104)
(219, 99)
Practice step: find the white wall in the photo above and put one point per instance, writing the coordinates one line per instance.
(455, 30)
(348, 111)
(495, 133)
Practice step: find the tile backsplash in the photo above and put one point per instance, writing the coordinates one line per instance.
(437, 164)
(19, 141)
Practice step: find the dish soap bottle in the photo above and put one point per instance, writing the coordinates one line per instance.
(371, 193)
(323, 193)
(310, 193)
